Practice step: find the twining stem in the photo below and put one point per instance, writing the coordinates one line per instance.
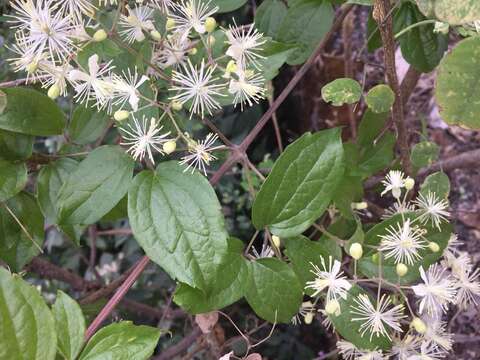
(381, 10)
(117, 297)
(413, 26)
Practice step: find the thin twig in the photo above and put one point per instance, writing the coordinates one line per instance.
(385, 23)
(117, 297)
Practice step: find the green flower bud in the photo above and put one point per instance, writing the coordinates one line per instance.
(121, 115)
(100, 35)
(356, 251)
(169, 147)
(210, 24)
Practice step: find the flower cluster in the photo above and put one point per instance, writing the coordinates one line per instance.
(184, 69)
(406, 312)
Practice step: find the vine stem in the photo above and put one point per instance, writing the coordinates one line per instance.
(117, 297)
(380, 13)
(239, 151)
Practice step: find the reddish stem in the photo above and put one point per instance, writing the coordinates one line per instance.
(117, 297)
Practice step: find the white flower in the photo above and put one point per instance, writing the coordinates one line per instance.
(247, 88)
(200, 153)
(138, 20)
(192, 14)
(348, 350)
(94, 85)
(406, 347)
(45, 31)
(428, 351)
(127, 89)
(403, 243)
(77, 8)
(265, 252)
(55, 75)
(433, 209)
(172, 52)
(459, 262)
(452, 246)
(245, 44)
(142, 138)
(398, 208)
(394, 182)
(307, 311)
(25, 60)
(330, 278)
(198, 86)
(468, 287)
(164, 5)
(437, 333)
(436, 292)
(376, 320)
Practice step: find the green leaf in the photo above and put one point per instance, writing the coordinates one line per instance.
(301, 184)
(456, 12)
(15, 146)
(370, 127)
(421, 46)
(177, 220)
(305, 24)
(13, 178)
(377, 156)
(350, 330)
(370, 268)
(31, 112)
(28, 329)
(49, 182)
(87, 124)
(276, 54)
(380, 98)
(342, 91)
(70, 325)
(424, 153)
(229, 286)
(456, 88)
(17, 247)
(274, 291)
(437, 183)
(96, 186)
(122, 341)
(227, 5)
(269, 16)
(302, 252)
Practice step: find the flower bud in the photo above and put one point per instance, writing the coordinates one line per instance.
(276, 241)
(155, 35)
(170, 24)
(402, 269)
(53, 92)
(308, 318)
(360, 205)
(231, 66)
(434, 246)
(409, 183)
(210, 24)
(356, 251)
(169, 147)
(418, 325)
(192, 51)
(32, 67)
(100, 35)
(121, 115)
(332, 307)
(376, 258)
(176, 105)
